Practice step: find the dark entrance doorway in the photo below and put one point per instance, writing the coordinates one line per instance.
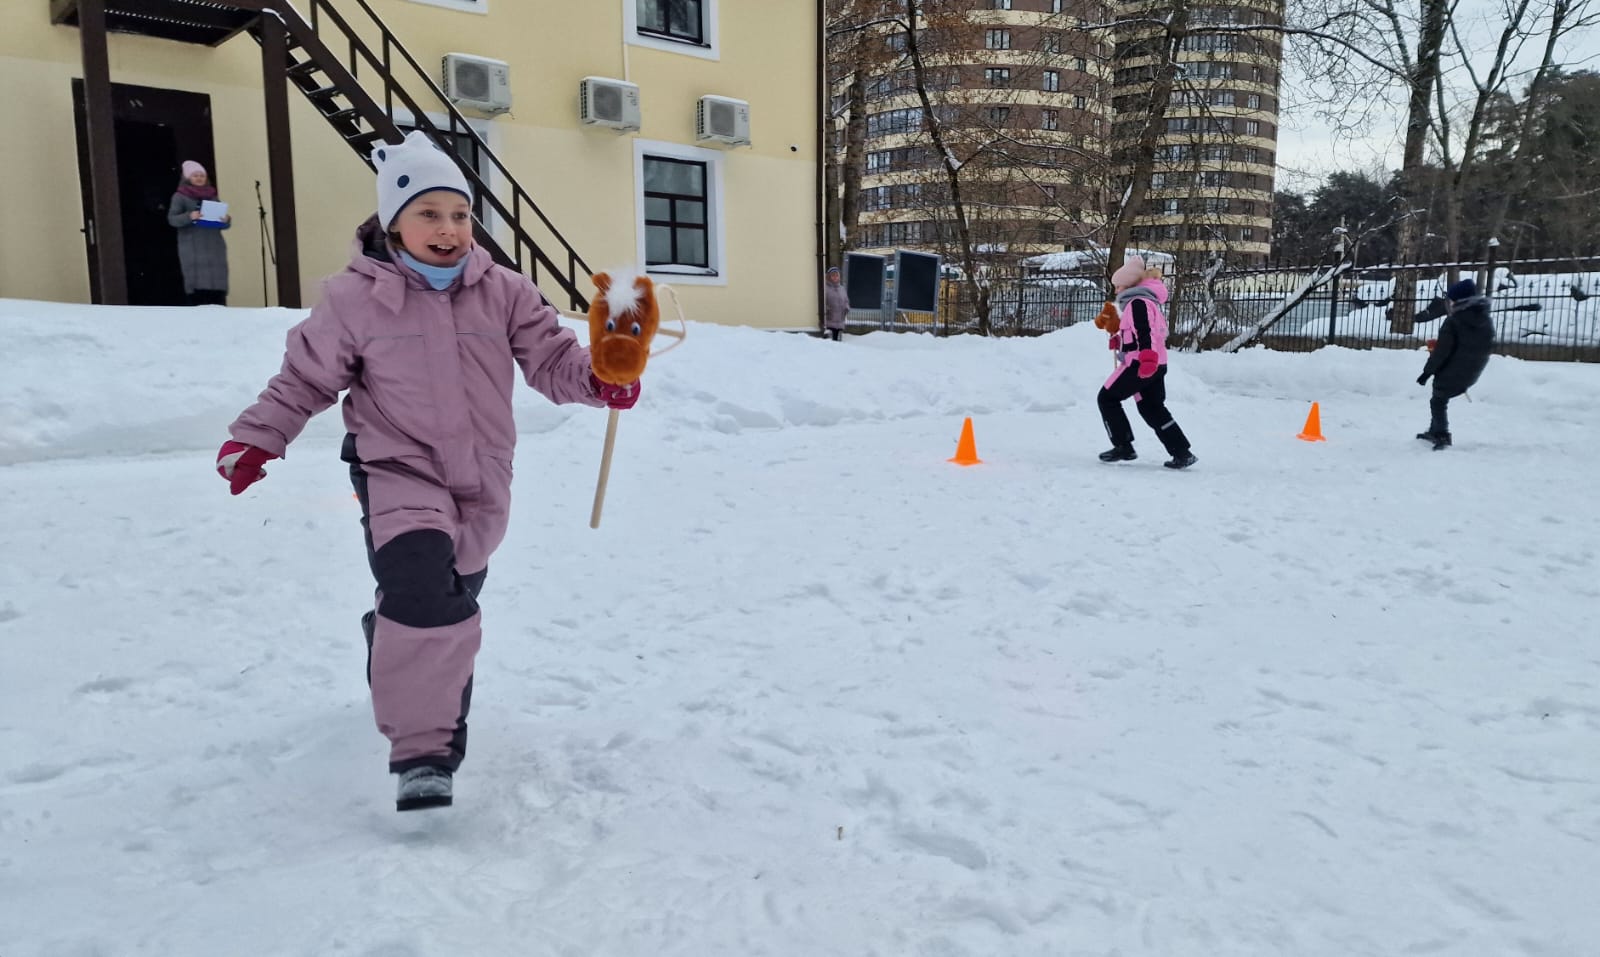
(156, 130)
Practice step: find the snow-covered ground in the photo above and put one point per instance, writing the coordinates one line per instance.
(810, 689)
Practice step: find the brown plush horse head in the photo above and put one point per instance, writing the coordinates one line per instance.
(622, 320)
(1108, 318)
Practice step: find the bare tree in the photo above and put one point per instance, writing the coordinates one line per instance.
(1159, 35)
(855, 55)
(1566, 17)
(1453, 77)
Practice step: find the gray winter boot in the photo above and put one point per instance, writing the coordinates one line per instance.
(423, 787)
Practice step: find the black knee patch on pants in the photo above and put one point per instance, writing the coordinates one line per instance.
(417, 578)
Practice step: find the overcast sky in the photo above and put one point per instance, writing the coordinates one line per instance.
(1308, 150)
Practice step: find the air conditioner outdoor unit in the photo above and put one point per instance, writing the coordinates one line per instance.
(722, 119)
(477, 82)
(610, 103)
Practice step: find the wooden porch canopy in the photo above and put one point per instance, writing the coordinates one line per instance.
(204, 22)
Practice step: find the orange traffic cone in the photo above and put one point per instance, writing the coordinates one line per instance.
(967, 448)
(1313, 430)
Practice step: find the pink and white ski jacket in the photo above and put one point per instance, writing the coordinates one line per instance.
(1142, 325)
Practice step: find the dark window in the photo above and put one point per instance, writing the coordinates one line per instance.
(681, 20)
(890, 122)
(676, 213)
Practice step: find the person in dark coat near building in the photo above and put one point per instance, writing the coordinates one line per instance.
(201, 250)
(835, 305)
(1459, 356)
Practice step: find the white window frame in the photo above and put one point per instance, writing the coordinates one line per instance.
(486, 131)
(715, 232)
(465, 6)
(711, 51)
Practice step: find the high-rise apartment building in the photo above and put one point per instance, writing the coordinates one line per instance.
(1217, 141)
(1039, 105)
(1023, 95)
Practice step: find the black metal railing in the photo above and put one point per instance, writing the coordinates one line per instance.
(1542, 309)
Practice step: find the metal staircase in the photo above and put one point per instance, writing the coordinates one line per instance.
(356, 74)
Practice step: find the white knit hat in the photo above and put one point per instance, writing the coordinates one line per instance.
(411, 169)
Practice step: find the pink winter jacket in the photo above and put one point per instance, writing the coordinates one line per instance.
(1142, 325)
(429, 373)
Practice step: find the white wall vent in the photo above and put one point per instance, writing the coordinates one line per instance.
(721, 119)
(610, 103)
(477, 83)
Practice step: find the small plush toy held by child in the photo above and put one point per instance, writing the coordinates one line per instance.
(1108, 320)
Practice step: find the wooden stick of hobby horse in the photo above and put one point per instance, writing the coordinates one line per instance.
(605, 470)
(611, 420)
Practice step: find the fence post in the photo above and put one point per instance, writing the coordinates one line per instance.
(1333, 308)
(1486, 287)
(1333, 298)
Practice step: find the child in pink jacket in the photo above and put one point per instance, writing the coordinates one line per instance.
(423, 332)
(1141, 373)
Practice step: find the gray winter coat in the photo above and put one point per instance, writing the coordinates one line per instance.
(835, 305)
(201, 250)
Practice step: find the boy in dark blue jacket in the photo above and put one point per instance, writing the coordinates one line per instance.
(1458, 358)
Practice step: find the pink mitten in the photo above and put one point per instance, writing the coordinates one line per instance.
(615, 396)
(1149, 362)
(241, 465)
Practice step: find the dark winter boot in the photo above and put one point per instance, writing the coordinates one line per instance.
(1119, 453)
(1441, 440)
(1181, 461)
(423, 787)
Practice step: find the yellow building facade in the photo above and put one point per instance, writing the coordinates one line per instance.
(736, 226)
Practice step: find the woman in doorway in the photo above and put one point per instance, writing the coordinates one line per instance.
(201, 249)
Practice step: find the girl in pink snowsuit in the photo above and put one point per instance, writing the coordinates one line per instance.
(423, 332)
(1141, 345)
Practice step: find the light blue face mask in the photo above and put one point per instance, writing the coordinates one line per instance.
(439, 277)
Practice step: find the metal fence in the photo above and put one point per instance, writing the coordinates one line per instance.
(1542, 309)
